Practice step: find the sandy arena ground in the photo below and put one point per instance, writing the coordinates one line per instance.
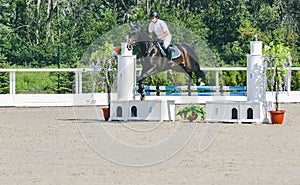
(66, 145)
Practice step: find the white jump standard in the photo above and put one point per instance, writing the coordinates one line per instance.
(126, 108)
(256, 108)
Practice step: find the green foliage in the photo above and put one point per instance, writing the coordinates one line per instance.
(38, 82)
(62, 82)
(44, 82)
(4, 76)
(30, 35)
(295, 82)
(278, 67)
(158, 79)
(234, 54)
(268, 18)
(177, 78)
(105, 60)
(33, 83)
(234, 78)
(278, 60)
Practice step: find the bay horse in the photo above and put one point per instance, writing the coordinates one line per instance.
(153, 61)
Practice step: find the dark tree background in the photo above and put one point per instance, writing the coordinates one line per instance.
(32, 30)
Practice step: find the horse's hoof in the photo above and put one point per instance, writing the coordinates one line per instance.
(142, 97)
(200, 84)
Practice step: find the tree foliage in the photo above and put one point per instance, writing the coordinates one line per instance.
(31, 31)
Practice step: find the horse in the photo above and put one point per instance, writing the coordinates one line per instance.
(154, 61)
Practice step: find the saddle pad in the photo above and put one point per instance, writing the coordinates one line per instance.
(175, 51)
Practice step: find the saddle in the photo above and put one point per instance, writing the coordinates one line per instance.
(175, 51)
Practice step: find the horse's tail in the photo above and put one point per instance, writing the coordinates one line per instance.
(189, 57)
(184, 57)
(192, 60)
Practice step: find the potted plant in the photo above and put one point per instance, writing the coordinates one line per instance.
(106, 67)
(191, 112)
(278, 62)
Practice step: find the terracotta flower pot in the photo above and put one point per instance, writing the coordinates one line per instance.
(106, 113)
(192, 117)
(277, 116)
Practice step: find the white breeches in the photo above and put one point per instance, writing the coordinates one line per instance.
(167, 41)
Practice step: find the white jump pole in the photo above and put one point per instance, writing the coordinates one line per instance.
(256, 87)
(126, 74)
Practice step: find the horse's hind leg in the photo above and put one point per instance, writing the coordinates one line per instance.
(200, 75)
(190, 78)
(141, 89)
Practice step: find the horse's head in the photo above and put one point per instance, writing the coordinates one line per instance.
(133, 36)
(136, 35)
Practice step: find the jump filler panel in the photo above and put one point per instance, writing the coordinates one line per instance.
(256, 108)
(237, 111)
(134, 110)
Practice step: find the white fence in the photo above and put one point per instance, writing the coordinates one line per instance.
(79, 98)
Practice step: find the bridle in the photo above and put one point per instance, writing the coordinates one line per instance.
(150, 45)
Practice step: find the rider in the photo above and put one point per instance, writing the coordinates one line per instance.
(160, 28)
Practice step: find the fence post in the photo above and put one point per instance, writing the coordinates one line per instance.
(12, 82)
(217, 79)
(76, 82)
(80, 82)
(58, 66)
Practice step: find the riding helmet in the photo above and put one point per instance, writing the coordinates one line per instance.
(153, 14)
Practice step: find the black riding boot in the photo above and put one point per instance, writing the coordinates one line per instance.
(169, 54)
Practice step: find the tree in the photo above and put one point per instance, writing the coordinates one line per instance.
(4, 76)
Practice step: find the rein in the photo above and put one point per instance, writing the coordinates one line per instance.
(149, 46)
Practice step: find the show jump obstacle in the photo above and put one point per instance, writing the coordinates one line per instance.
(256, 108)
(126, 108)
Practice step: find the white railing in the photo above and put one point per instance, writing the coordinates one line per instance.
(80, 98)
(78, 74)
(77, 71)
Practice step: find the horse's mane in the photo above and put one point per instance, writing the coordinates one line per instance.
(143, 35)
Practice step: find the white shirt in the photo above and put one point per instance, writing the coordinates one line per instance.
(159, 27)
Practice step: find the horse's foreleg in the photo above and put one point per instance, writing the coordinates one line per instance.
(190, 83)
(200, 75)
(141, 89)
(141, 80)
